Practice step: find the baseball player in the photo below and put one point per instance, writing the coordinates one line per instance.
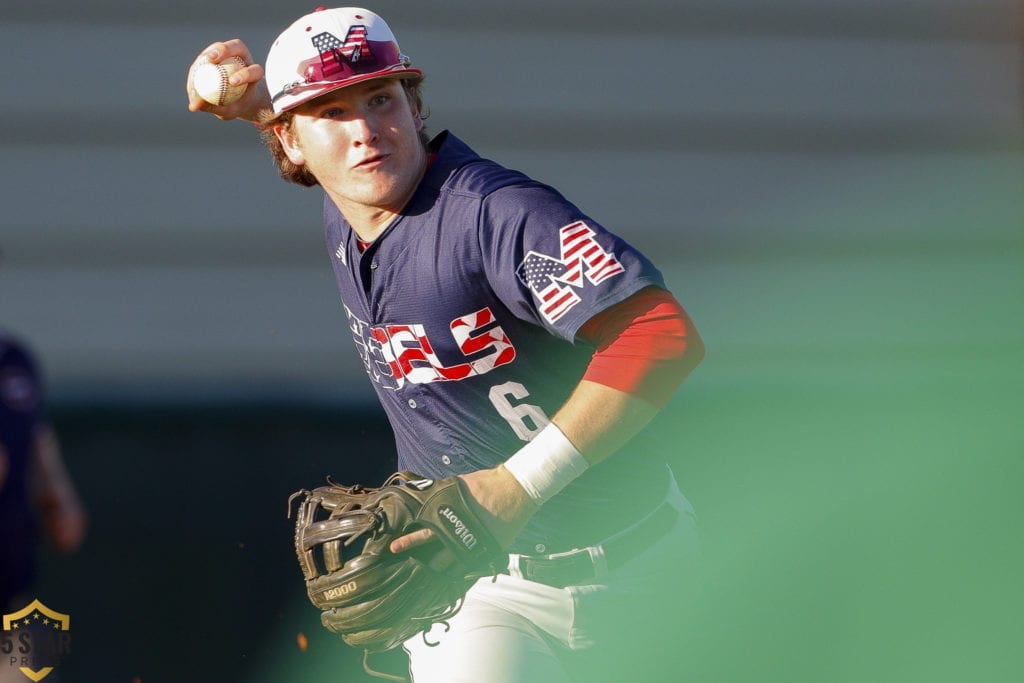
(512, 340)
(34, 484)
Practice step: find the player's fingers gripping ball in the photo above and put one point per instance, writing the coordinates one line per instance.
(376, 599)
(211, 81)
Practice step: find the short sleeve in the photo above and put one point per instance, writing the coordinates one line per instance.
(551, 264)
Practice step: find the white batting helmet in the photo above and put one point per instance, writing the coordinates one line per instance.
(330, 49)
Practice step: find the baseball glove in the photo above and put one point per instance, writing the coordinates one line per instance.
(376, 599)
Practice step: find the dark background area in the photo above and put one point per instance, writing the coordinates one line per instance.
(189, 567)
(188, 572)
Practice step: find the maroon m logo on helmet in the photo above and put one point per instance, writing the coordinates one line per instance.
(354, 48)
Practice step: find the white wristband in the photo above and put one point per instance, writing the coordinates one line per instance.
(547, 464)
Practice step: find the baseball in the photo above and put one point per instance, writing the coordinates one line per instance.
(211, 81)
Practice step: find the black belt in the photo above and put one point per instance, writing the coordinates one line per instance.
(576, 567)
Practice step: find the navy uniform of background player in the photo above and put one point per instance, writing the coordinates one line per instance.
(35, 488)
(511, 339)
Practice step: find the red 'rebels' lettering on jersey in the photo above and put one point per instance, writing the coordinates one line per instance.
(493, 343)
(554, 281)
(399, 353)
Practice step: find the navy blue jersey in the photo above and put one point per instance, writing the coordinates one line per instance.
(20, 400)
(465, 311)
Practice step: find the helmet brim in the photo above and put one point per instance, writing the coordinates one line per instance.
(301, 94)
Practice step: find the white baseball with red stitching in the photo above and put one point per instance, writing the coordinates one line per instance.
(211, 81)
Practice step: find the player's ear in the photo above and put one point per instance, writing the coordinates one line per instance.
(290, 144)
(414, 100)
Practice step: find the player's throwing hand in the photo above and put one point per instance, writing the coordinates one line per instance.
(255, 99)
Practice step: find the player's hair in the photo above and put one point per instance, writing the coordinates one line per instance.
(300, 174)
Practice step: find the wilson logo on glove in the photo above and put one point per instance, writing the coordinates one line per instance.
(459, 528)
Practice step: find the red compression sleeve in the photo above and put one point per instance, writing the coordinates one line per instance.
(646, 346)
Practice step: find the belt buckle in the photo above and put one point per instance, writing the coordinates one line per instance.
(565, 569)
(577, 567)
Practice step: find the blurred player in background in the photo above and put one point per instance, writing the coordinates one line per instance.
(36, 492)
(513, 341)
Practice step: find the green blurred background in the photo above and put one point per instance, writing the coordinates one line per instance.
(835, 193)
